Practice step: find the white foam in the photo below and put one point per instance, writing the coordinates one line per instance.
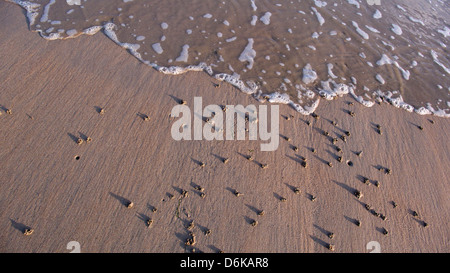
(380, 79)
(386, 60)
(377, 15)
(330, 93)
(71, 32)
(31, 8)
(266, 18)
(397, 102)
(184, 55)
(78, 2)
(330, 71)
(436, 60)
(164, 25)
(132, 48)
(254, 7)
(157, 48)
(374, 30)
(445, 31)
(235, 81)
(360, 31)
(92, 30)
(319, 16)
(354, 2)
(320, 4)
(412, 19)
(254, 20)
(248, 54)
(309, 75)
(44, 17)
(397, 29)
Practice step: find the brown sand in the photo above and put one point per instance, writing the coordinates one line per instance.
(55, 89)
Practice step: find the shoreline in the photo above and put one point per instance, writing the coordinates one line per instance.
(55, 90)
(325, 92)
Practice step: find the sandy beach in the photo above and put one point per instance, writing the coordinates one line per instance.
(65, 191)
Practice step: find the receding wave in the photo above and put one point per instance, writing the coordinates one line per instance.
(295, 52)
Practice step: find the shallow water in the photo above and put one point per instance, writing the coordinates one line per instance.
(289, 51)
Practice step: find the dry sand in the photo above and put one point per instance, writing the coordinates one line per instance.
(55, 90)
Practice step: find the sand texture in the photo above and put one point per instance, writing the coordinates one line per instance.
(55, 90)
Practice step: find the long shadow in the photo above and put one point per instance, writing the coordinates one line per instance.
(277, 196)
(335, 156)
(194, 185)
(380, 229)
(306, 121)
(295, 159)
(291, 187)
(420, 222)
(411, 212)
(143, 217)
(320, 242)
(351, 220)
(177, 189)
(310, 196)
(83, 136)
(311, 149)
(121, 199)
(336, 148)
(203, 229)
(339, 136)
(252, 208)
(302, 158)
(19, 226)
(177, 100)
(319, 130)
(343, 131)
(248, 158)
(98, 109)
(248, 220)
(214, 248)
(330, 121)
(416, 125)
(183, 238)
(233, 191)
(293, 147)
(222, 159)
(379, 167)
(199, 163)
(151, 207)
(374, 126)
(73, 137)
(346, 111)
(363, 180)
(142, 116)
(321, 160)
(324, 231)
(345, 187)
(284, 137)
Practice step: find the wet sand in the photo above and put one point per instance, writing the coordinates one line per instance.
(55, 90)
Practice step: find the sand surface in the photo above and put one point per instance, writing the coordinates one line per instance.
(55, 89)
